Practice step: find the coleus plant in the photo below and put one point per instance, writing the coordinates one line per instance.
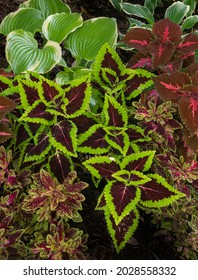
(162, 48)
(181, 88)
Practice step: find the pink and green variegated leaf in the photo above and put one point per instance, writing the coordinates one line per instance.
(71, 186)
(31, 204)
(121, 199)
(115, 114)
(141, 161)
(170, 87)
(102, 166)
(63, 136)
(119, 142)
(158, 193)
(188, 44)
(60, 165)
(44, 179)
(138, 38)
(107, 66)
(34, 152)
(188, 110)
(122, 232)
(37, 114)
(6, 105)
(131, 178)
(161, 53)
(93, 141)
(166, 31)
(78, 94)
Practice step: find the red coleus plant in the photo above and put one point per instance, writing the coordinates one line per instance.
(162, 47)
(182, 89)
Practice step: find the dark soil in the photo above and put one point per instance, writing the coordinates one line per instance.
(149, 242)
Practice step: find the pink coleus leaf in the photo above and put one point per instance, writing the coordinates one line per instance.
(170, 87)
(167, 31)
(161, 53)
(188, 109)
(138, 38)
(189, 44)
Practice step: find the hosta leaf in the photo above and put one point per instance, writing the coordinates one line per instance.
(28, 19)
(47, 7)
(107, 59)
(114, 113)
(57, 26)
(87, 40)
(169, 87)
(189, 22)
(63, 137)
(93, 140)
(60, 165)
(188, 109)
(158, 193)
(38, 151)
(141, 161)
(138, 38)
(122, 232)
(139, 11)
(78, 95)
(23, 54)
(132, 178)
(102, 166)
(120, 199)
(176, 12)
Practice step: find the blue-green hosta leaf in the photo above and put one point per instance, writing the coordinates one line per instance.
(27, 19)
(57, 27)
(176, 12)
(23, 54)
(121, 199)
(47, 7)
(158, 193)
(123, 231)
(87, 40)
(116, 4)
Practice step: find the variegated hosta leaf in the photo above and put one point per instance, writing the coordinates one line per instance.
(23, 54)
(27, 19)
(47, 7)
(57, 27)
(123, 231)
(177, 11)
(87, 40)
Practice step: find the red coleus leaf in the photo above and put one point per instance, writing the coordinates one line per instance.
(189, 44)
(140, 60)
(12, 197)
(138, 38)
(6, 105)
(5, 133)
(6, 74)
(170, 87)
(167, 31)
(161, 53)
(188, 109)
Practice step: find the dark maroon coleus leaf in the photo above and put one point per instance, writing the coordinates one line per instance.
(60, 166)
(133, 83)
(106, 169)
(83, 122)
(31, 93)
(115, 118)
(119, 140)
(40, 147)
(109, 62)
(95, 140)
(122, 195)
(49, 92)
(39, 111)
(188, 44)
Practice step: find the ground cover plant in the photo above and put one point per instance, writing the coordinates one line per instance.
(85, 134)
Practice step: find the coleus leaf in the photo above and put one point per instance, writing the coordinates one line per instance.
(93, 140)
(188, 44)
(63, 136)
(157, 192)
(102, 166)
(28, 92)
(121, 232)
(119, 142)
(6, 105)
(78, 94)
(120, 199)
(131, 178)
(115, 114)
(5, 133)
(141, 161)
